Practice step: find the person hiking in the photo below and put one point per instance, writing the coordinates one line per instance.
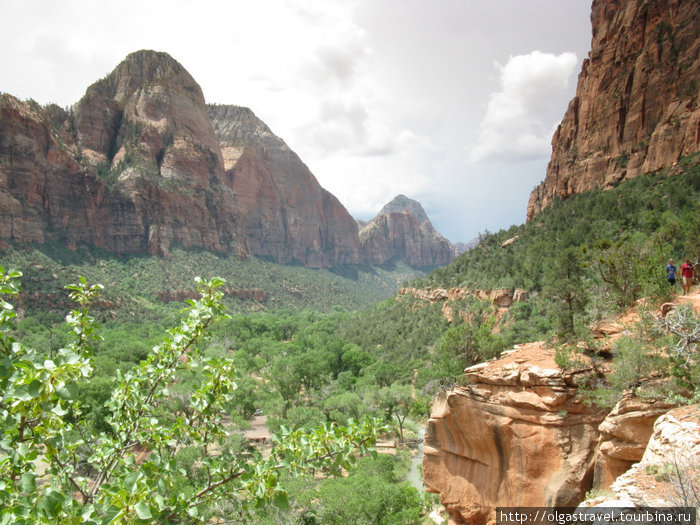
(687, 272)
(671, 272)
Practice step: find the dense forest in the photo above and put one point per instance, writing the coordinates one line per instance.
(308, 358)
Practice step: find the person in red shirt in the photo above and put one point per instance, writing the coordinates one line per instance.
(687, 272)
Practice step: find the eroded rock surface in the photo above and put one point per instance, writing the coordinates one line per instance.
(625, 433)
(517, 434)
(669, 470)
(402, 230)
(284, 212)
(637, 103)
(141, 163)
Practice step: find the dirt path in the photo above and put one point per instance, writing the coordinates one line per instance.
(692, 299)
(258, 432)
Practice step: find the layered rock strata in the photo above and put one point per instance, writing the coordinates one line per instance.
(141, 163)
(637, 103)
(499, 297)
(518, 434)
(668, 472)
(624, 436)
(285, 214)
(402, 230)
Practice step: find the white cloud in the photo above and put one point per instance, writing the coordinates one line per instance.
(522, 116)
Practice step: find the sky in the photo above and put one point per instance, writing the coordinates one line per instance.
(449, 102)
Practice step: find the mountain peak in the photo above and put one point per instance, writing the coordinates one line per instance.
(402, 204)
(402, 230)
(143, 68)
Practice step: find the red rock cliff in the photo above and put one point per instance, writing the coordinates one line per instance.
(518, 434)
(402, 230)
(137, 166)
(637, 104)
(285, 214)
(141, 163)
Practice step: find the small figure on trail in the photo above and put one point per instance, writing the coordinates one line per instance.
(671, 272)
(687, 272)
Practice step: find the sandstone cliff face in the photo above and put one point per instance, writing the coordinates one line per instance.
(137, 166)
(402, 230)
(668, 471)
(145, 129)
(141, 162)
(285, 214)
(637, 104)
(518, 434)
(136, 169)
(624, 435)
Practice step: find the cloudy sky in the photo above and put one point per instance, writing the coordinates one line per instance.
(450, 102)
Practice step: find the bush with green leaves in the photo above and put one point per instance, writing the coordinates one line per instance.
(153, 463)
(684, 325)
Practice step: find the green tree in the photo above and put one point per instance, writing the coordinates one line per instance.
(566, 288)
(397, 400)
(626, 266)
(684, 326)
(370, 495)
(131, 473)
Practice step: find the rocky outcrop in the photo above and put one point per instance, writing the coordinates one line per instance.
(402, 230)
(518, 434)
(624, 435)
(284, 213)
(500, 297)
(637, 103)
(668, 471)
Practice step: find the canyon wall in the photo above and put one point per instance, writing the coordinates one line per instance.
(637, 103)
(142, 163)
(284, 212)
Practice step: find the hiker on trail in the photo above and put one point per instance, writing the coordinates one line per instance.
(687, 272)
(671, 272)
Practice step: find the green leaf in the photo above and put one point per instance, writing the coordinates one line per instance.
(35, 388)
(143, 511)
(59, 410)
(28, 482)
(51, 504)
(130, 482)
(281, 500)
(68, 392)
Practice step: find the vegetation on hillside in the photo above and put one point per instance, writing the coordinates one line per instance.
(166, 454)
(139, 286)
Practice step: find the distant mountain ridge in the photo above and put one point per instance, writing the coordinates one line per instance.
(402, 230)
(142, 163)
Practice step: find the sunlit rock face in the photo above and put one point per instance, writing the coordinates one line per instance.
(402, 230)
(141, 163)
(518, 434)
(637, 103)
(285, 214)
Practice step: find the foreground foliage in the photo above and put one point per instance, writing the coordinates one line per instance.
(133, 471)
